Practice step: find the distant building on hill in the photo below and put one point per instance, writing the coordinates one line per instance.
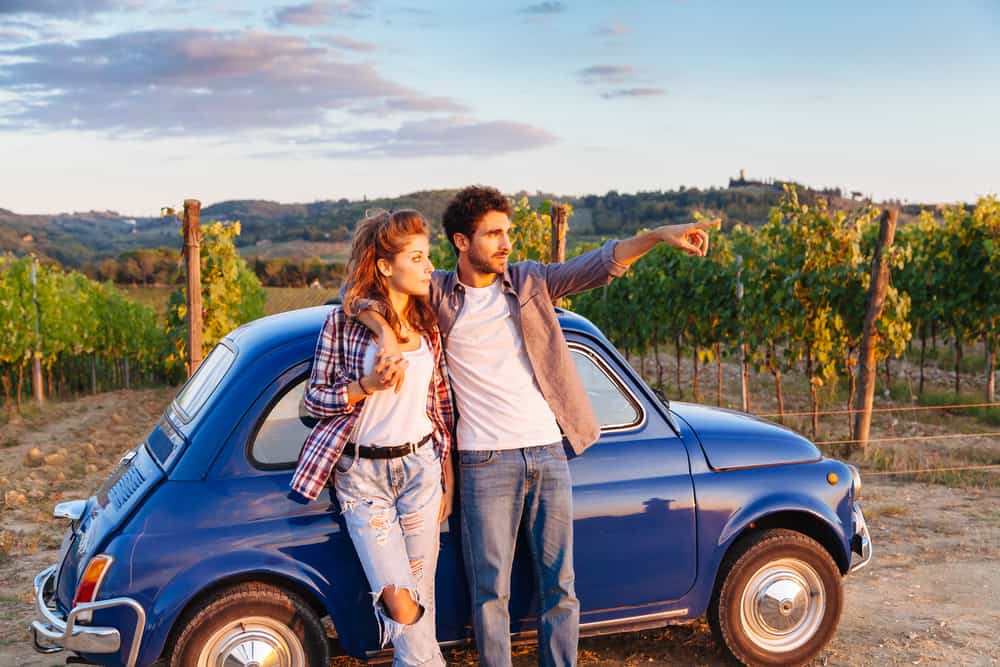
(743, 182)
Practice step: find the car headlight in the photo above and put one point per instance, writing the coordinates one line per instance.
(856, 477)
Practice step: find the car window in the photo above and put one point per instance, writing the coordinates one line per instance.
(283, 432)
(195, 393)
(614, 407)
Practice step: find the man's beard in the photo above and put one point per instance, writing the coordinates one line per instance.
(487, 263)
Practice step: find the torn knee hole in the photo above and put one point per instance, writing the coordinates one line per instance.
(399, 604)
(417, 568)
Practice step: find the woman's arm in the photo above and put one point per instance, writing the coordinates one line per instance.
(329, 391)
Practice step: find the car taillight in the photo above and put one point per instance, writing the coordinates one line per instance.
(90, 584)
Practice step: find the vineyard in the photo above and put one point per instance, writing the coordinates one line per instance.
(790, 296)
(89, 336)
(86, 335)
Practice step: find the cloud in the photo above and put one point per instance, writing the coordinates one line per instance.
(544, 8)
(321, 12)
(347, 43)
(193, 82)
(436, 137)
(13, 37)
(606, 74)
(612, 28)
(633, 92)
(60, 8)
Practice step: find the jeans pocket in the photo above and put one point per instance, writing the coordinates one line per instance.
(476, 458)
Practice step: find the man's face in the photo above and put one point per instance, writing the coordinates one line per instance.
(489, 246)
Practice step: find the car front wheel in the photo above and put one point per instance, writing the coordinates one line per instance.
(251, 623)
(779, 601)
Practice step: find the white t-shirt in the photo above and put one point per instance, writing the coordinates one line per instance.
(389, 419)
(499, 403)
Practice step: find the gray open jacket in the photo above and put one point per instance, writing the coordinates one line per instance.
(530, 288)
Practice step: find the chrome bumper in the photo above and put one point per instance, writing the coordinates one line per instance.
(50, 632)
(861, 543)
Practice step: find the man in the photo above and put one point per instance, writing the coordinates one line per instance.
(515, 387)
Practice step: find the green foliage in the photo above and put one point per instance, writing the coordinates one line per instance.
(285, 272)
(531, 230)
(953, 274)
(805, 276)
(231, 294)
(78, 319)
(443, 253)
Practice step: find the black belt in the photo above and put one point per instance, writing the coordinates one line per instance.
(367, 452)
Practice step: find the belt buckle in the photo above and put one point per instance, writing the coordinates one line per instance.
(413, 447)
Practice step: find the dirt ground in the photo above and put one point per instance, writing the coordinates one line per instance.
(930, 596)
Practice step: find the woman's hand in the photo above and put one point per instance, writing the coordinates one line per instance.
(388, 374)
(448, 494)
(388, 349)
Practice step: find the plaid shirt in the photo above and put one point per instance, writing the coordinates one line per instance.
(339, 360)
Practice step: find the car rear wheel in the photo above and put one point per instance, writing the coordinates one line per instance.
(779, 600)
(251, 624)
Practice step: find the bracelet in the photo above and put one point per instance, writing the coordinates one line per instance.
(362, 385)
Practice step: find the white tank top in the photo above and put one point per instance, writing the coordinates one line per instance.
(389, 419)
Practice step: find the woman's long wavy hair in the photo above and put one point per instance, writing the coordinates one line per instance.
(382, 235)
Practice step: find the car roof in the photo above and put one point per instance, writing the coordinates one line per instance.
(269, 332)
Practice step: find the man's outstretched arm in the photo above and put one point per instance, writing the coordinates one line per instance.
(598, 267)
(691, 238)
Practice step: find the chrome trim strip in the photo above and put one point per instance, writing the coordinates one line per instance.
(659, 616)
(595, 625)
(62, 634)
(622, 386)
(71, 510)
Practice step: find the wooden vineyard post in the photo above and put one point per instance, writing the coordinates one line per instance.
(36, 354)
(744, 367)
(876, 299)
(559, 229)
(192, 259)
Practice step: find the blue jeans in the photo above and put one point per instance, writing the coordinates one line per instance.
(391, 509)
(502, 490)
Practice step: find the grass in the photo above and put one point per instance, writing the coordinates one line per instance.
(973, 357)
(888, 510)
(987, 415)
(902, 457)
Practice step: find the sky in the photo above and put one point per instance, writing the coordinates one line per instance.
(131, 105)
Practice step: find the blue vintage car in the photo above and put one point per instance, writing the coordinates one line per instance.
(192, 552)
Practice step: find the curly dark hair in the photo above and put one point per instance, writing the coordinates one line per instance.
(468, 207)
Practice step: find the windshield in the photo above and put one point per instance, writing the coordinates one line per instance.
(195, 393)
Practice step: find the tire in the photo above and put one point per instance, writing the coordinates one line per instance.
(778, 600)
(252, 616)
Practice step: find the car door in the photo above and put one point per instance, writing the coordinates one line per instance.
(633, 495)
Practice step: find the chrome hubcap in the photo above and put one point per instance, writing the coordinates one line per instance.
(782, 605)
(256, 641)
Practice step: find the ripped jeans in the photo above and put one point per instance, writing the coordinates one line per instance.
(391, 508)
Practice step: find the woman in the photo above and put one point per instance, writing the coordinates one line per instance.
(387, 450)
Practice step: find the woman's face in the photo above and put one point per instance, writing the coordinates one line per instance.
(409, 272)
